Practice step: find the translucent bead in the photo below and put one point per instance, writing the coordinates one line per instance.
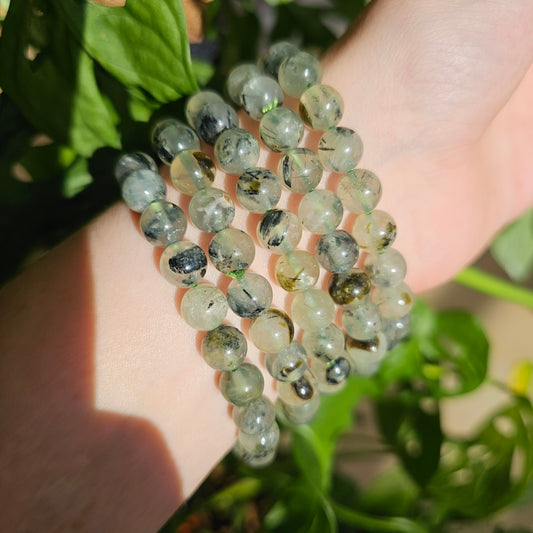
(197, 101)
(249, 295)
(326, 343)
(321, 107)
(170, 137)
(387, 269)
(224, 348)
(366, 356)
(281, 129)
(204, 307)
(253, 461)
(362, 321)
(255, 417)
(375, 231)
(300, 170)
(297, 271)
(320, 211)
(163, 223)
(393, 302)
(242, 385)
(236, 150)
(213, 119)
(260, 95)
(359, 191)
(142, 187)
(259, 446)
(331, 375)
(313, 309)
(349, 288)
(183, 264)
(300, 399)
(396, 329)
(289, 364)
(298, 72)
(272, 331)
(192, 171)
(279, 231)
(238, 77)
(274, 56)
(340, 149)
(258, 190)
(337, 251)
(231, 250)
(211, 210)
(127, 163)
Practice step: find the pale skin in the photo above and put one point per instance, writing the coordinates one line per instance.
(110, 418)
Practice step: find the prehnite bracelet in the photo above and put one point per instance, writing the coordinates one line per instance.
(374, 299)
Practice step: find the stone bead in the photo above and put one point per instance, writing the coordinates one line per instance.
(321, 107)
(300, 399)
(242, 385)
(374, 231)
(298, 72)
(366, 356)
(349, 288)
(258, 190)
(170, 137)
(224, 348)
(163, 223)
(393, 302)
(289, 364)
(260, 95)
(255, 417)
(387, 269)
(272, 331)
(254, 461)
(183, 264)
(396, 329)
(320, 211)
(337, 251)
(142, 187)
(197, 101)
(271, 60)
(313, 309)
(281, 129)
(259, 447)
(211, 210)
(331, 375)
(236, 150)
(204, 307)
(300, 169)
(192, 171)
(279, 231)
(340, 149)
(326, 343)
(362, 321)
(249, 295)
(231, 250)
(127, 163)
(213, 119)
(237, 79)
(297, 271)
(359, 191)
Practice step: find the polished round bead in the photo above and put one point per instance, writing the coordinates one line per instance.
(331, 375)
(163, 223)
(279, 231)
(242, 385)
(297, 271)
(258, 190)
(320, 211)
(183, 264)
(211, 210)
(212, 119)
(272, 331)
(366, 356)
(236, 150)
(321, 107)
(281, 129)
(362, 321)
(224, 348)
(254, 461)
(300, 399)
(313, 309)
(271, 60)
(231, 250)
(260, 95)
(396, 329)
(142, 187)
(249, 295)
(204, 307)
(255, 417)
(374, 231)
(127, 163)
(359, 191)
(340, 149)
(237, 79)
(349, 288)
(300, 169)
(393, 302)
(289, 364)
(386, 269)
(170, 137)
(259, 445)
(192, 171)
(326, 343)
(298, 72)
(337, 251)
(197, 101)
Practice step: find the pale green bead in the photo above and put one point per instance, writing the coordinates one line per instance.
(141, 187)
(170, 137)
(254, 461)
(271, 60)
(359, 191)
(236, 150)
(366, 356)
(258, 190)
(127, 163)
(326, 343)
(183, 264)
(249, 295)
(279, 231)
(289, 364)
(320, 211)
(211, 210)
(238, 77)
(337, 251)
(340, 149)
(272, 331)
(362, 321)
(386, 269)
(396, 329)
(163, 223)
(349, 288)
(300, 399)
(297, 271)
(393, 302)
(260, 95)
(313, 309)
(197, 101)
(298, 72)
(300, 170)
(321, 107)
(192, 171)
(255, 417)
(259, 449)
(331, 375)
(214, 118)
(224, 348)
(231, 250)
(281, 129)
(375, 231)
(204, 307)
(242, 385)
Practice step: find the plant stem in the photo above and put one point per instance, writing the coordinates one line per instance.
(488, 284)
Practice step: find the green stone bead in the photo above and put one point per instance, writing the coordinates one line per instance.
(192, 171)
(255, 417)
(298, 72)
(213, 119)
(300, 170)
(253, 461)
(289, 364)
(393, 302)
(271, 60)
(163, 223)
(242, 385)
(204, 307)
(396, 329)
(231, 250)
(349, 288)
(313, 309)
(297, 271)
(236, 151)
(320, 211)
(260, 95)
(183, 264)
(375, 231)
(366, 356)
(127, 163)
(386, 269)
(224, 348)
(170, 137)
(258, 450)
(359, 191)
(237, 79)
(281, 129)
(197, 101)
(337, 251)
(331, 375)
(272, 331)
(249, 295)
(279, 231)
(362, 321)
(321, 107)
(142, 187)
(326, 343)
(258, 190)
(300, 399)
(211, 210)
(340, 149)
